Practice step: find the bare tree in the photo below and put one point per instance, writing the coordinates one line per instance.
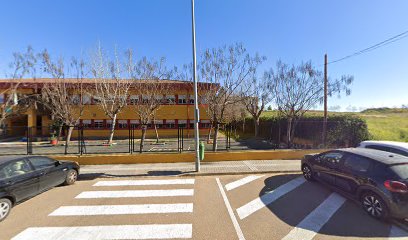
(111, 90)
(259, 93)
(299, 88)
(146, 75)
(63, 97)
(227, 69)
(14, 103)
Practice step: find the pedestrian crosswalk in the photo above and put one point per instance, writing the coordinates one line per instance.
(312, 222)
(145, 230)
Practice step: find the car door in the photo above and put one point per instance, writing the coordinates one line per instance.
(19, 179)
(51, 173)
(326, 165)
(352, 172)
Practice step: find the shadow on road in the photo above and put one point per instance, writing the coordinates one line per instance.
(349, 221)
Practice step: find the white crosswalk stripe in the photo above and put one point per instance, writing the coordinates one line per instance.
(241, 182)
(397, 233)
(123, 209)
(268, 198)
(144, 182)
(148, 231)
(158, 231)
(313, 222)
(136, 193)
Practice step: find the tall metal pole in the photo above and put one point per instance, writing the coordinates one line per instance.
(196, 110)
(325, 102)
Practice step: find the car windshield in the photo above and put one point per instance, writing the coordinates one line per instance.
(401, 170)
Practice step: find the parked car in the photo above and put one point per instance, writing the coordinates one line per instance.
(22, 177)
(388, 146)
(377, 179)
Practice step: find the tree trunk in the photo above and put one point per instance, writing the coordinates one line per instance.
(289, 133)
(144, 129)
(59, 132)
(209, 134)
(68, 139)
(256, 123)
(157, 133)
(215, 140)
(243, 126)
(112, 130)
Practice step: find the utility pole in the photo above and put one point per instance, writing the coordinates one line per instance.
(196, 110)
(324, 136)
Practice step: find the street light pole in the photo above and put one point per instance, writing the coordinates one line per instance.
(196, 110)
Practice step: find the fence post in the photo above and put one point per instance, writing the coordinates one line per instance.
(29, 143)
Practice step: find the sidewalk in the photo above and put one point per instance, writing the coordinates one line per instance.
(188, 168)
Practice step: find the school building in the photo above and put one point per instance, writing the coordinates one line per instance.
(176, 110)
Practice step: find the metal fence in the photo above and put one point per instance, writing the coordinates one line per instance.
(52, 140)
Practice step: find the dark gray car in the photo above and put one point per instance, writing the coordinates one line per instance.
(377, 179)
(22, 177)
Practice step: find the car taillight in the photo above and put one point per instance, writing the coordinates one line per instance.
(395, 186)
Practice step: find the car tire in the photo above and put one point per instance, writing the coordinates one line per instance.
(5, 208)
(72, 176)
(374, 205)
(307, 172)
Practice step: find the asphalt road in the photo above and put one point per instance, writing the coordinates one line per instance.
(278, 206)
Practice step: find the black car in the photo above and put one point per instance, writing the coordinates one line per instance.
(377, 179)
(22, 177)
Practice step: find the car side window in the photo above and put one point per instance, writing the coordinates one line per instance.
(42, 162)
(357, 163)
(397, 151)
(331, 158)
(15, 168)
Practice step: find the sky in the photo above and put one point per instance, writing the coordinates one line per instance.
(290, 30)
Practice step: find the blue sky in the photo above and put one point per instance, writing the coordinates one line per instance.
(292, 30)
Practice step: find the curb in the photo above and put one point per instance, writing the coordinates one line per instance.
(237, 173)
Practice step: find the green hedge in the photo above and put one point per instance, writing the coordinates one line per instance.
(342, 130)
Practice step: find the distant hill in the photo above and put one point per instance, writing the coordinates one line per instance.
(384, 110)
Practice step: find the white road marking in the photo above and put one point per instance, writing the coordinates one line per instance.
(122, 209)
(313, 222)
(268, 198)
(231, 212)
(241, 182)
(159, 231)
(136, 193)
(397, 233)
(144, 182)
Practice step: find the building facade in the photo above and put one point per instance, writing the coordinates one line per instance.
(175, 111)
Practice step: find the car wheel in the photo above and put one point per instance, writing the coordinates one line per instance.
(374, 205)
(307, 172)
(71, 178)
(5, 208)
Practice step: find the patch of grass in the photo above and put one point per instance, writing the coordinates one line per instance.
(383, 123)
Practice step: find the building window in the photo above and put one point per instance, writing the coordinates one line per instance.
(123, 124)
(182, 99)
(170, 124)
(134, 99)
(191, 125)
(159, 98)
(145, 99)
(75, 99)
(98, 123)
(159, 123)
(86, 100)
(109, 124)
(191, 99)
(205, 123)
(87, 123)
(134, 123)
(96, 100)
(202, 100)
(2, 98)
(170, 99)
(182, 123)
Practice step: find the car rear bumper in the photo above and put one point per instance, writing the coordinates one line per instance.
(399, 209)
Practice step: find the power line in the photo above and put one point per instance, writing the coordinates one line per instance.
(373, 47)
